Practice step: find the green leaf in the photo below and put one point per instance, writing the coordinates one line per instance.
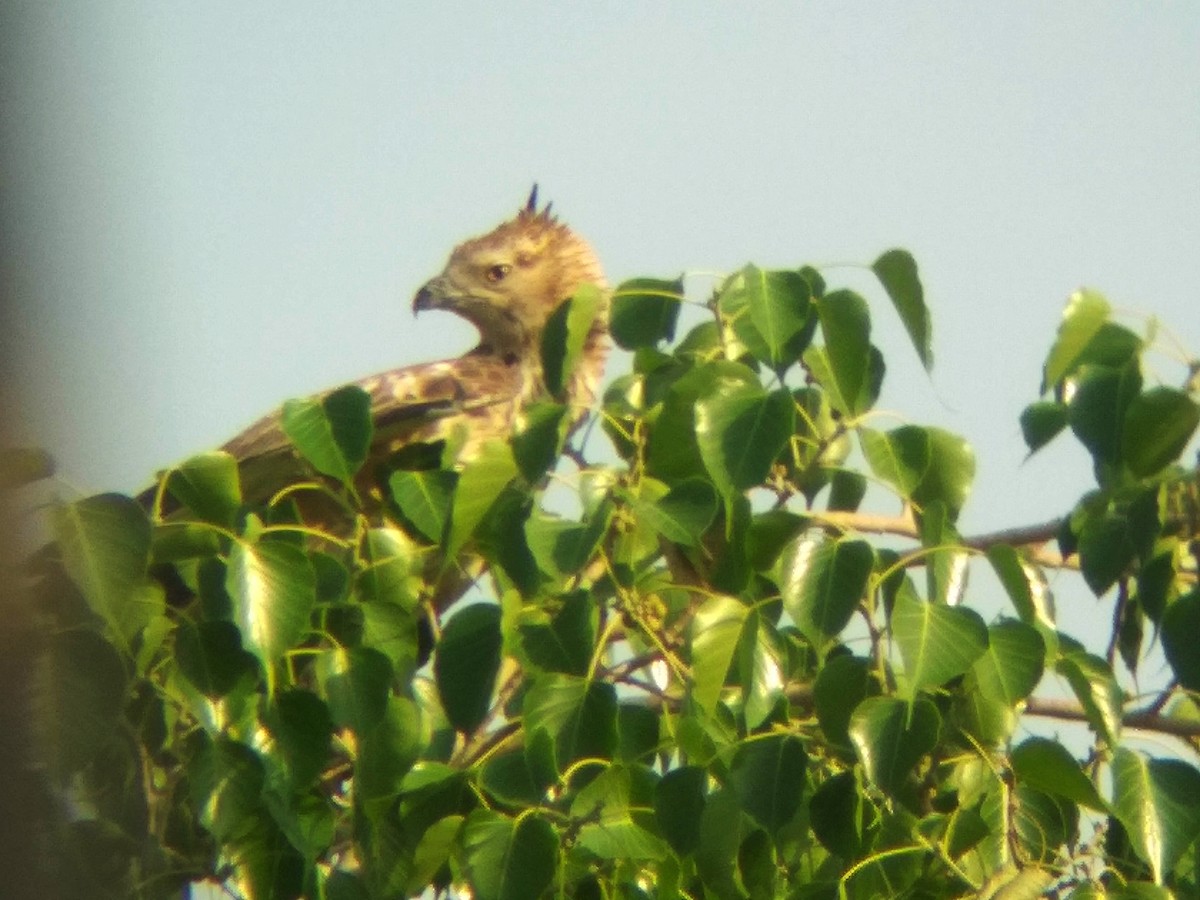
(563, 548)
(565, 643)
(762, 663)
(822, 583)
(508, 778)
(301, 730)
(105, 546)
(684, 513)
(767, 775)
(1180, 628)
(721, 833)
(671, 451)
(846, 327)
(644, 312)
(937, 642)
(578, 715)
(424, 497)
(565, 334)
(1158, 802)
(1086, 312)
(333, 433)
(925, 465)
(841, 817)
(387, 751)
(820, 368)
(1011, 666)
(638, 730)
(1158, 425)
(211, 657)
(891, 735)
(741, 430)
(209, 486)
(678, 806)
(466, 665)
(1106, 549)
(846, 491)
(356, 683)
(1041, 422)
(1048, 766)
(226, 782)
(1025, 585)
(537, 445)
(1043, 823)
(479, 484)
(605, 805)
(1097, 411)
(780, 305)
(897, 272)
(432, 852)
(841, 685)
(1096, 688)
(507, 860)
(716, 630)
(391, 569)
(273, 588)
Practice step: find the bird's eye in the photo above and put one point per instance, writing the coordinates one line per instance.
(497, 272)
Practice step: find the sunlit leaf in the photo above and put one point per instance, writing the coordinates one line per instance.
(1085, 313)
(209, 486)
(716, 629)
(822, 583)
(740, 430)
(936, 642)
(566, 334)
(891, 735)
(105, 545)
(1096, 688)
(1158, 802)
(424, 497)
(356, 684)
(479, 484)
(273, 588)
(334, 432)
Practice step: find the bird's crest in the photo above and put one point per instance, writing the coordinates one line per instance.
(530, 212)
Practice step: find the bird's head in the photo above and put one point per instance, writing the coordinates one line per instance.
(508, 282)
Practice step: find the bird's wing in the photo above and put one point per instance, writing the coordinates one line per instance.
(415, 403)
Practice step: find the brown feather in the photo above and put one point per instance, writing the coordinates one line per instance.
(507, 283)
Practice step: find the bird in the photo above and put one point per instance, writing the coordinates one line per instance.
(508, 283)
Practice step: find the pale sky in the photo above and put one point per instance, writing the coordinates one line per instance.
(209, 209)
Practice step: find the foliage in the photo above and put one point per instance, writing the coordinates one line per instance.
(716, 677)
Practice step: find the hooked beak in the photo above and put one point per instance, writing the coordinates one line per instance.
(426, 298)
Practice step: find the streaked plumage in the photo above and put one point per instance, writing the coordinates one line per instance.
(507, 283)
